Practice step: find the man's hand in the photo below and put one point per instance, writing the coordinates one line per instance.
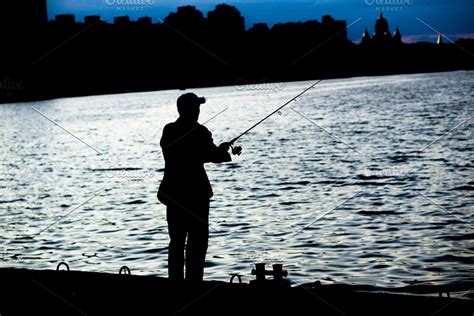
(225, 146)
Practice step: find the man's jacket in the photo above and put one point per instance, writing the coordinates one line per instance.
(186, 147)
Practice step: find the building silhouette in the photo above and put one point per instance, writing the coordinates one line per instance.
(226, 19)
(21, 24)
(187, 19)
(382, 35)
(92, 19)
(65, 20)
(334, 29)
(259, 28)
(145, 21)
(24, 14)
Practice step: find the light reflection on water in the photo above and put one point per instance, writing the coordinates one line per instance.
(412, 218)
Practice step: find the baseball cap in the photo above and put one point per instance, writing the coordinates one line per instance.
(190, 99)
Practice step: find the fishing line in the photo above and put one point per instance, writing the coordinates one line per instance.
(237, 150)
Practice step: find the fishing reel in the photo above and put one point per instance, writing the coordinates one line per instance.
(236, 150)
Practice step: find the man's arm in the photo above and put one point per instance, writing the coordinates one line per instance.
(213, 153)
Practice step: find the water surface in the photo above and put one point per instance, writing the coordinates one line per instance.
(362, 180)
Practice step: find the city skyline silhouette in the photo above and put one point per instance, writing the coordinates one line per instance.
(68, 57)
(455, 22)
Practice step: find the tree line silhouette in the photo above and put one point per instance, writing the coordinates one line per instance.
(46, 59)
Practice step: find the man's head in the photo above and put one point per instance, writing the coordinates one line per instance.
(188, 106)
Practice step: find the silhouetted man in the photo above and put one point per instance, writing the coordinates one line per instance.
(185, 188)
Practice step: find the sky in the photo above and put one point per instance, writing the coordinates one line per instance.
(418, 20)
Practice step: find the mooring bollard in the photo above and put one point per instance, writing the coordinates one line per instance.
(278, 274)
(62, 264)
(125, 270)
(233, 276)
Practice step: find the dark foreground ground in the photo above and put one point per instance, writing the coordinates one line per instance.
(32, 292)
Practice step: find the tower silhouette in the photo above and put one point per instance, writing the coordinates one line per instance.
(397, 36)
(365, 38)
(382, 31)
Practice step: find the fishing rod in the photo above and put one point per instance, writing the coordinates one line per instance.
(237, 150)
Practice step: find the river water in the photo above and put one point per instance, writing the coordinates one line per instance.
(362, 180)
